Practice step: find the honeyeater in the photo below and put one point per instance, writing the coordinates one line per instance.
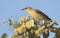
(36, 14)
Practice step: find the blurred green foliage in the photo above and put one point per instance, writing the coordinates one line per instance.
(4, 35)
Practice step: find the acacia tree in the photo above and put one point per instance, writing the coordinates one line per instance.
(29, 28)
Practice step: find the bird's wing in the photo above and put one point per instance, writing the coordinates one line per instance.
(40, 12)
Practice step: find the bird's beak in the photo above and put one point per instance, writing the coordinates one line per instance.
(22, 9)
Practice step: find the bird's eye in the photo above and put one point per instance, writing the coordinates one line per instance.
(25, 8)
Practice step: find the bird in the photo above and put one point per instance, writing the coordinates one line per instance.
(36, 14)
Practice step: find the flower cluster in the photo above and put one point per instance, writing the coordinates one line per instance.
(30, 28)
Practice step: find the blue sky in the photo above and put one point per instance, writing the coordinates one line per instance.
(13, 8)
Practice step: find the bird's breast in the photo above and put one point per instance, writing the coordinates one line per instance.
(35, 15)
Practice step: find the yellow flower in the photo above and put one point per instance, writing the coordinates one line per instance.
(37, 32)
(20, 29)
(21, 20)
(29, 24)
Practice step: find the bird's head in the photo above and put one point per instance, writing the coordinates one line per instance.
(27, 9)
